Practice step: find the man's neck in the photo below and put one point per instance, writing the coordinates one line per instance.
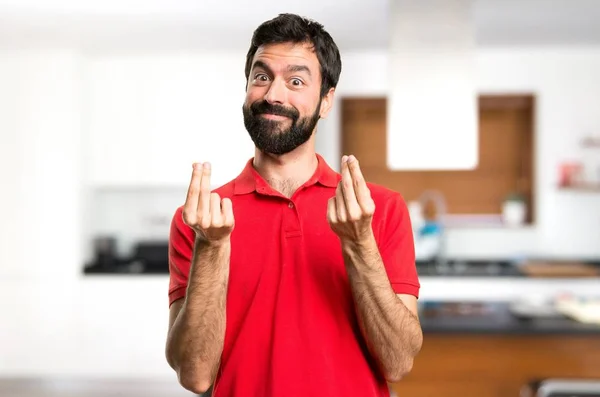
(287, 172)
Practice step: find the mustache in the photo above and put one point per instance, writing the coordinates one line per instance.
(264, 107)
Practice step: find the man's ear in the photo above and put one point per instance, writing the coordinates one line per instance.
(326, 103)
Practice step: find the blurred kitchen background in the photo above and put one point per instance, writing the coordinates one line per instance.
(492, 135)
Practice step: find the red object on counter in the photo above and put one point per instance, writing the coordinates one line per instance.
(570, 174)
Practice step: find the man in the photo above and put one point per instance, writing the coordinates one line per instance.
(292, 279)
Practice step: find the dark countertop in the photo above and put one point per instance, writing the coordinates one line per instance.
(455, 268)
(127, 268)
(151, 257)
(495, 268)
(494, 318)
(468, 268)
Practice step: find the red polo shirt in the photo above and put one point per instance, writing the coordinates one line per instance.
(291, 324)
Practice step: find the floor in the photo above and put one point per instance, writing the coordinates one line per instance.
(90, 388)
(93, 388)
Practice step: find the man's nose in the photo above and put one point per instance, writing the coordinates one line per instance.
(277, 93)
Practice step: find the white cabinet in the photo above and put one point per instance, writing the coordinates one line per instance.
(122, 326)
(104, 326)
(150, 117)
(40, 162)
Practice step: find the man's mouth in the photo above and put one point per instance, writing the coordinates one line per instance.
(272, 116)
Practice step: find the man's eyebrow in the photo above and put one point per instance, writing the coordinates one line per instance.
(262, 65)
(299, 68)
(290, 68)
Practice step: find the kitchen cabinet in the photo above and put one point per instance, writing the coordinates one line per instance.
(123, 333)
(505, 164)
(150, 117)
(490, 353)
(106, 327)
(497, 365)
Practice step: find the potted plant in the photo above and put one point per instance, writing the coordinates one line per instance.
(514, 209)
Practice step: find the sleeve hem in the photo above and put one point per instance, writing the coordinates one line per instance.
(406, 288)
(176, 294)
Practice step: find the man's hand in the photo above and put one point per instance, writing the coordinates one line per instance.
(350, 211)
(210, 216)
(197, 322)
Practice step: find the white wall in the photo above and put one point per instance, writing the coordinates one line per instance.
(40, 232)
(150, 116)
(55, 321)
(40, 125)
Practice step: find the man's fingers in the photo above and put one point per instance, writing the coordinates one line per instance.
(191, 201)
(204, 200)
(347, 188)
(340, 206)
(350, 199)
(331, 211)
(227, 212)
(215, 210)
(363, 195)
(204, 211)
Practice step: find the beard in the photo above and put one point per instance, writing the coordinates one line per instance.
(270, 136)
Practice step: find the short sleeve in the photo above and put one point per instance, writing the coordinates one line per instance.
(181, 244)
(396, 246)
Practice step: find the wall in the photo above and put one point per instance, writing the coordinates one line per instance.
(149, 116)
(562, 79)
(565, 82)
(57, 322)
(40, 232)
(40, 125)
(53, 321)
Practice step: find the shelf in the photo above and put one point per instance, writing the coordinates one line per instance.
(584, 187)
(591, 143)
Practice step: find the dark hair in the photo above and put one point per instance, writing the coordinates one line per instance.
(286, 28)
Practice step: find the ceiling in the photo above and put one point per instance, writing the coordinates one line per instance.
(212, 24)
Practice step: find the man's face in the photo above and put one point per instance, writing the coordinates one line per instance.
(283, 103)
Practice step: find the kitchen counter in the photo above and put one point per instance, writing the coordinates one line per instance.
(476, 360)
(468, 268)
(495, 318)
(454, 268)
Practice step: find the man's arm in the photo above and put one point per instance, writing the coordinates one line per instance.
(197, 322)
(389, 322)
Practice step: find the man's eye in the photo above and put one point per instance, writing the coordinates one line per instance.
(261, 77)
(297, 82)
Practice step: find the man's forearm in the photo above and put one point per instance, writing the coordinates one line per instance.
(392, 332)
(196, 338)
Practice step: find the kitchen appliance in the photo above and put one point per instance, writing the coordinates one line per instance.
(105, 251)
(569, 388)
(150, 257)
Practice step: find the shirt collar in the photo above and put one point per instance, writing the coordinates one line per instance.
(249, 180)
